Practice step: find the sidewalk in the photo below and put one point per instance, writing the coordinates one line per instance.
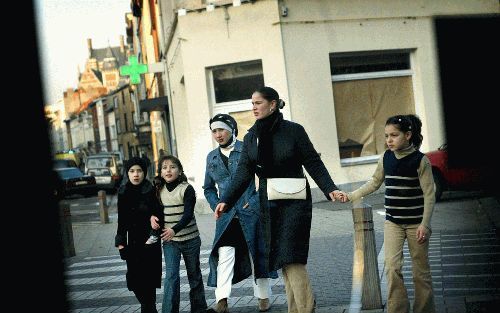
(462, 223)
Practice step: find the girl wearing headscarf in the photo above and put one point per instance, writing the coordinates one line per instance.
(136, 204)
(236, 242)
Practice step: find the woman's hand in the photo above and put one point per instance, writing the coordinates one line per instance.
(123, 251)
(339, 195)
(154, 222)
(423, 234)
(219, 209)
(167, 234)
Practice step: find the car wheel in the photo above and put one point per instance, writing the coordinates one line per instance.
(438, 184)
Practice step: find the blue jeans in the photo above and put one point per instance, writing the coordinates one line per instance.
(190, 250)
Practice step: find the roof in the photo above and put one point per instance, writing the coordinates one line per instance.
(101, 54)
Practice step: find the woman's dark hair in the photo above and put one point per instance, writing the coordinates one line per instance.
(409, 122)
(270, 94)
(176, 161)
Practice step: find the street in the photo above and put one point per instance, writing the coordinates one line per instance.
(464, 257)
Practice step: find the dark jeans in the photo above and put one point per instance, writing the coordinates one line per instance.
(190, 250)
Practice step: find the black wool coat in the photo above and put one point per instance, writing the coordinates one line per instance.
(135, 207)
(286, 224)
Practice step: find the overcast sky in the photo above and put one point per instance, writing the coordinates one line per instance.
(63, 28)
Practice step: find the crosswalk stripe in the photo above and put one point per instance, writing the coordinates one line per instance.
(97, 273)
(124, 292)
(116, 259)
(121, 267)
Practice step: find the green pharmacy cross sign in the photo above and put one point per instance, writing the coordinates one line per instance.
(134, 70)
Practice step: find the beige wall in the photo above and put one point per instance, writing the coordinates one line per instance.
(295, 56)
(314, 29)
(249, 35)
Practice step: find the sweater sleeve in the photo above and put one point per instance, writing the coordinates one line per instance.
(187, 216)
(427, 185)
(245, 172)
(157, 209)
(370, 186)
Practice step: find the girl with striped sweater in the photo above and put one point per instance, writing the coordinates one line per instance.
(409, 202)
(179, 234)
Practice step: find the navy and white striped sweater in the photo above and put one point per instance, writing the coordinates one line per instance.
(404, 199)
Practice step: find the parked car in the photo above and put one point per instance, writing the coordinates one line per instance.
(60, 163)
(448, 177)
(75, 182)
(107, 169)
(69, 155)
(104, 179)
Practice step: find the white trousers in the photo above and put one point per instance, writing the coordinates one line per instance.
(225, 273)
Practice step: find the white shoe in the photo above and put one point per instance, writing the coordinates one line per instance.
(152, 239)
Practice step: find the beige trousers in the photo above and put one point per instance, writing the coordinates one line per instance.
(298, 288)
(397, 296)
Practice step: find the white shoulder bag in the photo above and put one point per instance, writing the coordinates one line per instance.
(286, 188)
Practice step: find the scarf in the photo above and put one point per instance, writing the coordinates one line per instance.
(264, 129)
(230, 143)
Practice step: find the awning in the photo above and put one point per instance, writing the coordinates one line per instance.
(154, 104)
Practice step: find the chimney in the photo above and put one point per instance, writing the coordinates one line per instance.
(89, 46)
(122, 45)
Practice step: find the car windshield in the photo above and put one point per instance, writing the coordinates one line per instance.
(68, 173)
(99, 162)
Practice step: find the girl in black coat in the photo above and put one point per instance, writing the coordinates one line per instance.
(136, 204)
(277, 148)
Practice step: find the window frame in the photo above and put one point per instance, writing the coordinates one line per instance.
(222, 107)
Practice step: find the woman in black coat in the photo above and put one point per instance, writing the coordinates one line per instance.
(277, 148)
(136, 203)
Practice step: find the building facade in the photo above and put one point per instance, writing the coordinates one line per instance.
(341, 67)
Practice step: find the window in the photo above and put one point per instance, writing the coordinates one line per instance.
(378, 84)
(232, 86)
(236, 82)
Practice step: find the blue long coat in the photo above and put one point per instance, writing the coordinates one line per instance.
(217, 179)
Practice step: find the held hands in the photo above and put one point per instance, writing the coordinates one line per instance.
(219, 209)
(167, 234)
(339, 195)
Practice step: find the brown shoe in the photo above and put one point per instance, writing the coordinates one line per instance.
(221, 306)
(264, 305)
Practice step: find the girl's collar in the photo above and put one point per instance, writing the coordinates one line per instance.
(404, 152)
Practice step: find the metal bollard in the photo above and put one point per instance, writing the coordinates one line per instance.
(66, 230)
(365, 272)
(103, 207)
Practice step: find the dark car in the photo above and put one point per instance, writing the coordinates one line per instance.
(447, 177)
(74, 182)
(58, 163)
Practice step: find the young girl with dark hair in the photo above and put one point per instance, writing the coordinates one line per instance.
(409, 202)
(179, 234)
